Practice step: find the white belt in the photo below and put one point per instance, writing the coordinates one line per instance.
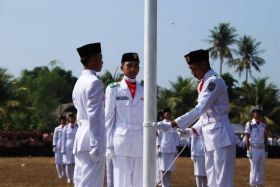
(258, 146)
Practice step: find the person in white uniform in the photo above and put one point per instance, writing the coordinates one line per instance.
(57, 145)
(124, 124)
(160, 117)
(255, 140)
(198, 157)
(212, 110)
(90, 141)
(168, 149)
(68, 137)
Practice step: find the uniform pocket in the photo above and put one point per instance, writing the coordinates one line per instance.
(212, 127)
(120, 131)
(120, 140)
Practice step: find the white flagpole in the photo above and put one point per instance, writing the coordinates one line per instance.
(150, 92)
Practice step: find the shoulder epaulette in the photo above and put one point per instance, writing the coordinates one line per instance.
(114, 84)
(214, 75)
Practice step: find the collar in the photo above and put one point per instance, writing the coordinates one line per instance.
(255, 122)
(208, 74)
(123, 83)
(88, 72)
(129, 79)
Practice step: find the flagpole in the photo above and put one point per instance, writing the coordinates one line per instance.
(150, 92)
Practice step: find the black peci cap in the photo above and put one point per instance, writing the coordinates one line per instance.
(130, 57)
(89, 49)
(197, 56)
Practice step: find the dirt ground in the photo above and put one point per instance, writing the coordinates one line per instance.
(40, 172)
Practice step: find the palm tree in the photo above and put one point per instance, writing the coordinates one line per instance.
(108, 77)
(258, 93)
(11, 98)
(248, 51)
(221, 37)
(181, 97)
(267, 96)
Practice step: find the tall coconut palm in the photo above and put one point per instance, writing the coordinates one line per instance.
(221, 38)
(248, 52)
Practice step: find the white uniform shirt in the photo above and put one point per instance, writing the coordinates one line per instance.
(212, 109)
(169, 141)
(256, 131)
(57, 137)
(68, 136)
(88, 98)
(124, 119)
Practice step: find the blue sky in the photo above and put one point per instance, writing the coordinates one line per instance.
(34, 32)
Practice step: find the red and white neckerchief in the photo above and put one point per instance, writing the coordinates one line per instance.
(200, 85)
(132, 87)
(72, 125)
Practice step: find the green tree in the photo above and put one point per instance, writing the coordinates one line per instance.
(248, 56)
(231, 85)
(221, 38)
(108, 77)
(181, 97)
(49, 88)
(11, 100)
(258, 93)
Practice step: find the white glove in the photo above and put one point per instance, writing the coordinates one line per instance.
(94, 154)
(249, 154)
(185, 133)
(164, 126)
(110, 153)
(54, 149)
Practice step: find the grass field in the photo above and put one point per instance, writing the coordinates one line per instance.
(40, 172)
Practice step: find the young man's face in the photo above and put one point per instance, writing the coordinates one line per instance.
(63, 121)
(130, 69)
(256, 115)
(96, 62)
(168, 115)
(72, 119)
(197, 69)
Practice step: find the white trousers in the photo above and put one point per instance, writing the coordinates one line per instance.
(166, 179)
(219, 165)
(158, 173)
(199, 165)
(128, 171)
(88, 173)
(110, 172)
(60, 168)
(201, 181)
(69, 168)
(257, 166)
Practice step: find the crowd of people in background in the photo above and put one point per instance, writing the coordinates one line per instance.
(21, 138)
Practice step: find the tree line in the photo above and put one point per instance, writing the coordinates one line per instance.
(32, 101)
